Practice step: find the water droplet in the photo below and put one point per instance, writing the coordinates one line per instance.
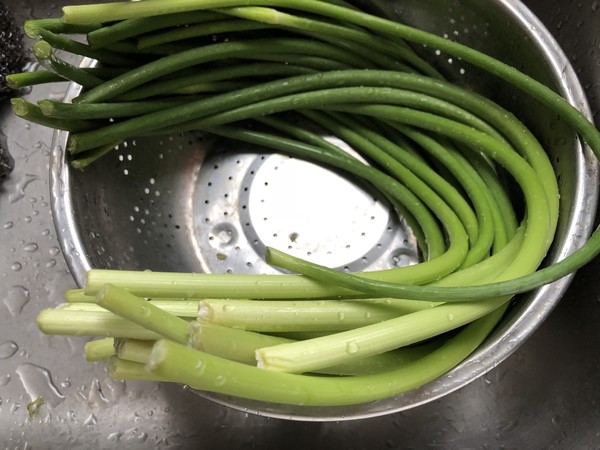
(200, 367)
(37, 381)
(142, 437)
(31, 247)
(16, 299)
(115, 437)
(7, 349)
(21, 187)
(146, 312)
(54, 251)
(8, 225)
(16, 266)
(352, 347)
(341, 316)
(51, 263)
(90, 420)
(450, 316)
(95, 395)
(220, 380)
(4, 380)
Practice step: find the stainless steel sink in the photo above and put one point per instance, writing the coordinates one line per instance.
(546, 395)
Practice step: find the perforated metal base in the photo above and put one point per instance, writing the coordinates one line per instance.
(244, 202)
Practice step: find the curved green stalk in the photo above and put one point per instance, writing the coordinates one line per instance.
(415, 274)
(161, 87)
(28, 111)
(94, 111)
(99, 349)
(240, 345)
(198, 55)
(206, 372)
(194, 31)
(432, 235)
(61, 42)
(120, 31)
(141, 312)
(424, 183)
(44, 53)
(90, 323)
(304, 315)
(336, 33)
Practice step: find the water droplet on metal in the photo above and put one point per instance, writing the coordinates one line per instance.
(38, 383)
(7, 349)
(95, 395)
(31, 247)
(115, 437)
(16, 266)
(16, 299)
(4, 379)
(8, 225)
(54, 251)
(21, 187)
(90, 420)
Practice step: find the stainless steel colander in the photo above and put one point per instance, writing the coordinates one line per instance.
(188, 203)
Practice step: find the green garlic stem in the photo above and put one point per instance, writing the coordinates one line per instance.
(134, 350)
(183, 308)
(45, 55)
(121, 369)
(99, 349)
(194, 31)
(365, 43)
(338, 348)
(240, 345)
(88, 111)
(90, 323)
(58, 26)
(123, 30)
(304, 315)
(143, 313)
(182, 364)
(29, 111)
(78, 296)
(86, 158)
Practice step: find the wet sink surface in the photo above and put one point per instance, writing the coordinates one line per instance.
(546, 395)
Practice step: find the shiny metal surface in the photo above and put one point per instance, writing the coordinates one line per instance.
(543, 396)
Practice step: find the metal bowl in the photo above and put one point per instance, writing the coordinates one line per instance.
(179, 203)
